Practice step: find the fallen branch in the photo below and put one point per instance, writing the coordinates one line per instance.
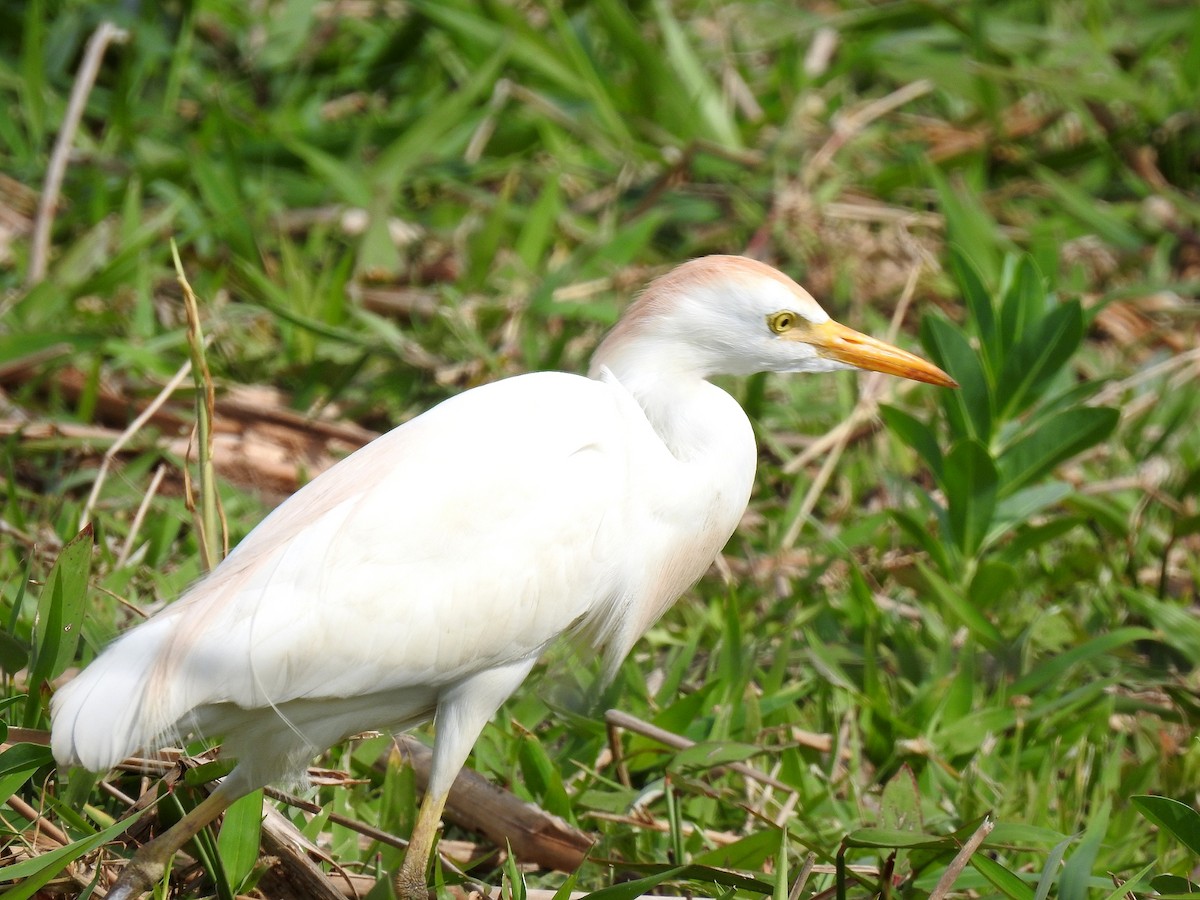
(476, 804)
(39, 251)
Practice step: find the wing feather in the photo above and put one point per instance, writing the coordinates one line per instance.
(465, 539)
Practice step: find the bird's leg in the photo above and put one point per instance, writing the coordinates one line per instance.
(411, 883)
(150, 861)
(462, 711)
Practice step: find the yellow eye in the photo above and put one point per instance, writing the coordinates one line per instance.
(781, 321)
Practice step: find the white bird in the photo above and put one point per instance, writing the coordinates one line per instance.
(424, 575)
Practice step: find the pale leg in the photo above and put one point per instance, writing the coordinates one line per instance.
(461, 714)
(150, 861)
(411, 883)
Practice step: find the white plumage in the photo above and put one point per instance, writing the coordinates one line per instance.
(426, 573)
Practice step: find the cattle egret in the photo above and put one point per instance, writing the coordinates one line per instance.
(422, 577)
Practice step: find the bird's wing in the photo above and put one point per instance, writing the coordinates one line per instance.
(467, 538)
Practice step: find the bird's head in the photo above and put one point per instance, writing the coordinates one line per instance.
(729, 315)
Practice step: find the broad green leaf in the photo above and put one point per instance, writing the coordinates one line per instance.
(695, 86)
(1095, 214)
(1023, 304)
(1001, 878)
(17, 765)
(745, 853)
(630, 890)
(1077, 871)
(1052, 670)
(238, 840)
(539, 227)
(781, 868)
(1034, 536)
(917, 435)
(60, 612)
(918, 531)
(1038, 357)
(969, 225)
(1017, 509)
(967, 735)
(346, 178)
(1177, 625)
(1055, 440)
(891, 838)
(979, 305)
(1178, 819)
(24, 757)
(1174, 886)
(1110, 513)
(543, 777)
(1007, 834)
(14, 653)
(36, 872)
(709, 754)
(971, 484)
(1050, 868)
(1128, 887)
(565, 889)
(961, 607)
(969, 408)
(993, 581)
(900, 802)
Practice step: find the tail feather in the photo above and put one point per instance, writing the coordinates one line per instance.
(105, 714)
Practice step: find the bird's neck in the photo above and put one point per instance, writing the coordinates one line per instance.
(696, 420)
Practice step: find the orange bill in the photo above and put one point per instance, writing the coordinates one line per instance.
(836, 341)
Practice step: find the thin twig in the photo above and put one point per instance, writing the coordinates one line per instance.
(39, 251)
(846, 127)
(134, 426)
(614, 717)
(213, 538)
(946, 882)
(802, 879)
(159, 473)
(375, 834)
(618, 754)
(1111, 393)
(649, 823)
(43, 826)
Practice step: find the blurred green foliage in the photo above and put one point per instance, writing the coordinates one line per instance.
(992, 612)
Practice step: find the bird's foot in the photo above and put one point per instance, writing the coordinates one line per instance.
(136, 878)
(410, 886)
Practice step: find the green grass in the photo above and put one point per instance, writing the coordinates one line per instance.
(991, 611)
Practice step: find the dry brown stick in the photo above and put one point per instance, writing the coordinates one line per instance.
(1112, 392)
(213, 538)
(649, 823)
(160, 472)
(134, 427)
(32, 362)
(39, 252)
(43, 826)
(618, 755)
(806, 871)
(847, 126)
(295, 874)
(946, 882)
(375, 834)
(679, 742)
(476, 804)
